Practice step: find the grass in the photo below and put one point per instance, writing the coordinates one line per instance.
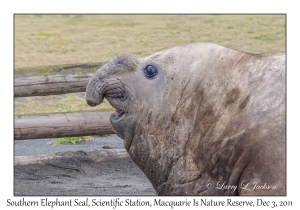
(62, 39)
(71, 140)
(268, 37)
(74, 140)
(51, 104)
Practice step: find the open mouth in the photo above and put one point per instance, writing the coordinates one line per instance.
(118, 114)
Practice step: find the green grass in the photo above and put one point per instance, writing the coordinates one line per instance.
(42, 40)
(74, 140)
(268, 37)
(61, 39)
(71, 140)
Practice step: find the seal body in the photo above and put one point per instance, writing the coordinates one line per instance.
(200, 119)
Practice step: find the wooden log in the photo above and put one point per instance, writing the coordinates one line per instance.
(62, 125)
(96, 156)
(50, 85)
(52, 80)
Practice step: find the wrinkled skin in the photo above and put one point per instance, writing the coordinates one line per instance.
(211, 122)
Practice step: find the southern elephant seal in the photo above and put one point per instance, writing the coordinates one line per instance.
(200, 119)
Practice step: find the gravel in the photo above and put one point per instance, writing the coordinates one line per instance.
(45, 146)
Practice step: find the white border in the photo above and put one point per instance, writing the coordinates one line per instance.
(126, 6)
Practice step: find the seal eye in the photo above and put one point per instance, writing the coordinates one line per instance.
(150, 71)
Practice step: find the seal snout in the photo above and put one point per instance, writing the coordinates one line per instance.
(94, 96)
(91, 103)
(93, 99)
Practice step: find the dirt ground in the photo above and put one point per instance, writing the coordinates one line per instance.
(81, 175)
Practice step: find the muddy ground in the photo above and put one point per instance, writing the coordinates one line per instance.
(80, 175)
